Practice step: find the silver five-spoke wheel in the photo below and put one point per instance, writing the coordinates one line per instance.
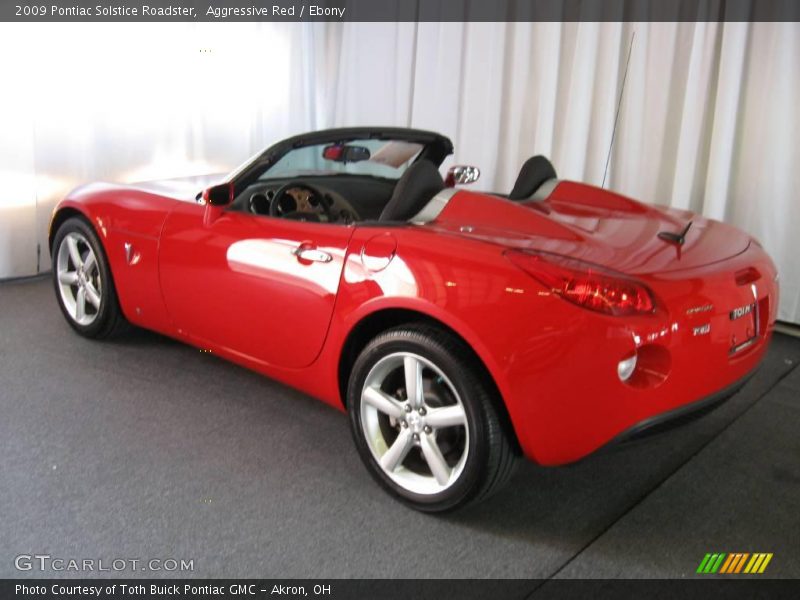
(414, 423)
(79, 281)
(423, 418)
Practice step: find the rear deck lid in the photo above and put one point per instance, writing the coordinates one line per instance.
(598, 226)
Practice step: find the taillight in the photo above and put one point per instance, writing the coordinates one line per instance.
(585, 284)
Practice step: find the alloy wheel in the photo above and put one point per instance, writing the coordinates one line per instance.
(79, 282)
(414, 423)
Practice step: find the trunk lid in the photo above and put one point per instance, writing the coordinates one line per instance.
(594, 225)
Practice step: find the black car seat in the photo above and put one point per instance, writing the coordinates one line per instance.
(413, 191)
(532, 175)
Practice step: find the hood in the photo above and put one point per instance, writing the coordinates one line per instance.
(594, 225)
(180, 188)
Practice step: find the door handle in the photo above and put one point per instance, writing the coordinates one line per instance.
(310, 254)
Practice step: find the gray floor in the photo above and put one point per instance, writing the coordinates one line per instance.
(146, 448)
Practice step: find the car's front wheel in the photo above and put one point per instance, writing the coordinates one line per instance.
(424, 419)
(82, 280)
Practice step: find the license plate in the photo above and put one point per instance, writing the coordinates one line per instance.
(744, 326)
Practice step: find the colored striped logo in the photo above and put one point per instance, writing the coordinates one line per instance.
(735, 562)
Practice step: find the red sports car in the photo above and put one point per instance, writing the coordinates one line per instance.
(458, 329)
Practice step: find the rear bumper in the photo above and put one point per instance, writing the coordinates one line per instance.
(681, 415)
(562, 391)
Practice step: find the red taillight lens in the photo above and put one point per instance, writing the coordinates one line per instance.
(584, 284)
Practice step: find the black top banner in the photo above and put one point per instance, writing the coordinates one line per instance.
(398, 10)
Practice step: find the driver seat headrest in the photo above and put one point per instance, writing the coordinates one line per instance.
(413, 191)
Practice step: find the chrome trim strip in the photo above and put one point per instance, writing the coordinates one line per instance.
(545, 189)
(433, 208)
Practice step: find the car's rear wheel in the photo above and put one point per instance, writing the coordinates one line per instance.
(82, 280)
(424, 420)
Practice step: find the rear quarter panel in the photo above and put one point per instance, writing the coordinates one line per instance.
(465, 284)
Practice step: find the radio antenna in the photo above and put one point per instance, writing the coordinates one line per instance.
(619, 105)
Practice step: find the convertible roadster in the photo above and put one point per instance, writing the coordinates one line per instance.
(458, 329)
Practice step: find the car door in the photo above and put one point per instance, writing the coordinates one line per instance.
(261, 287)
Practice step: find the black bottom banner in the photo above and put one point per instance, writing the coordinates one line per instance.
(434, 589)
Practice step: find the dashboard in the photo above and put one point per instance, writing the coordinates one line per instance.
(362, 198)
(298, 200)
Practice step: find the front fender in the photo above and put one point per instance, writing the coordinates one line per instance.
(128, 223)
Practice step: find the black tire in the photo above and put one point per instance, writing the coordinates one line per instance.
(490, 458)
(107, 319)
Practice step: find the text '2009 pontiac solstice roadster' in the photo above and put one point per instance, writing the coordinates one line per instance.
(458, 329)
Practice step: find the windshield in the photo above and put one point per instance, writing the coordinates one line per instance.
(375, 158)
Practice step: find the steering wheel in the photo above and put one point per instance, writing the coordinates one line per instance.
(307, 207)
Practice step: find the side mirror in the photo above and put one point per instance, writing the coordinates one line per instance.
(218, 195)
(461, 175)
(216, 198)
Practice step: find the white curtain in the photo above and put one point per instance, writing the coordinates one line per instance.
(708, 118)
(132, 102)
